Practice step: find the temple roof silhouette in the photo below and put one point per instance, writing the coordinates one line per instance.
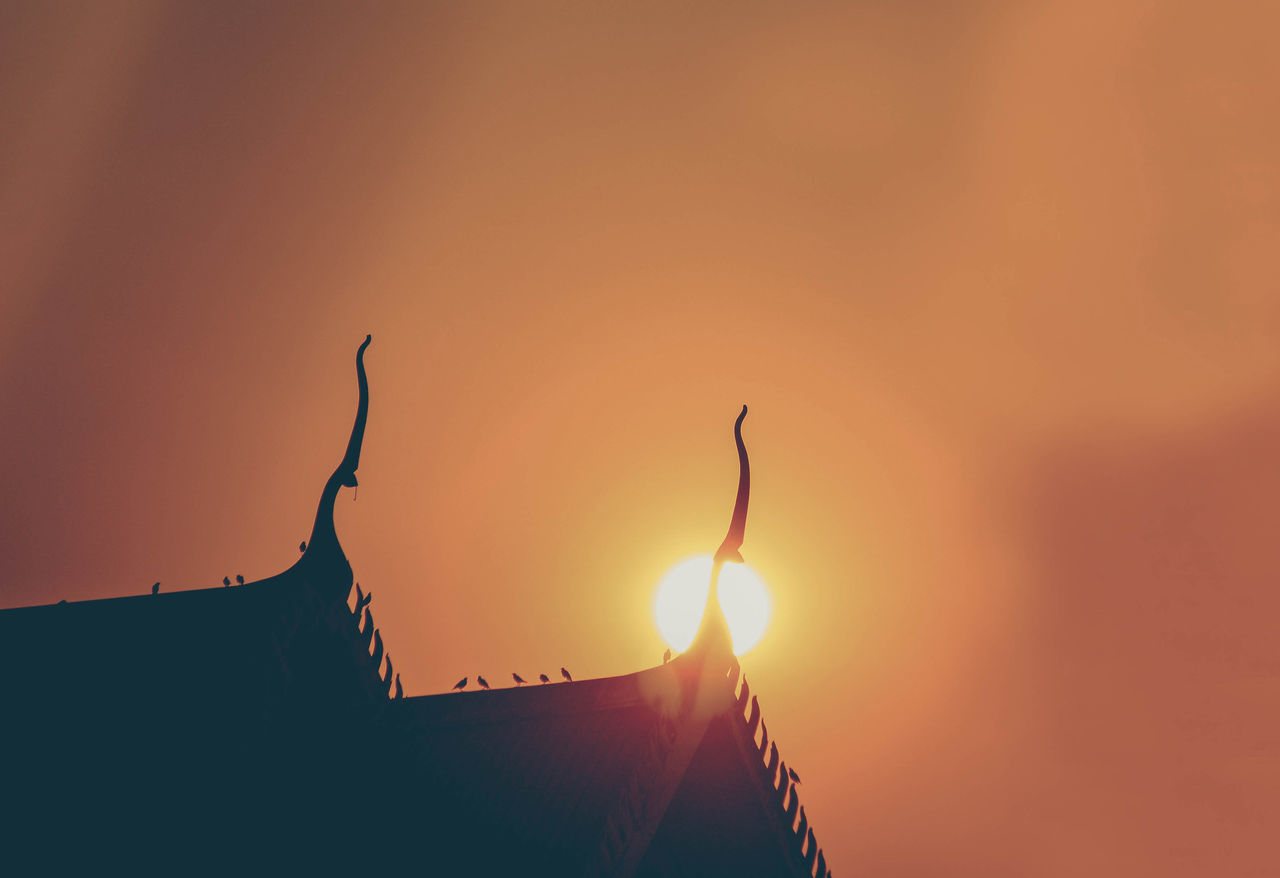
(269, 716)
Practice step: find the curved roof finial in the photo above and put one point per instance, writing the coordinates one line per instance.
(351, 460)
(728, 550)
(323, 545)
(713, 635)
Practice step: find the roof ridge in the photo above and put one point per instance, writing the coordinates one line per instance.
(524, 702)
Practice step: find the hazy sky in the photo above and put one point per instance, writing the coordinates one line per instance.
(997, 280)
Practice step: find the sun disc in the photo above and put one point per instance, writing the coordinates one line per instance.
(745, 603)
(682, 597)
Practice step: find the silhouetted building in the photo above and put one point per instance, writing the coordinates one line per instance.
(262, 729)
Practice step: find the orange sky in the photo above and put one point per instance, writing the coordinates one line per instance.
(997, 281)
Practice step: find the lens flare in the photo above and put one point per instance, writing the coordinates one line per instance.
(682, 596)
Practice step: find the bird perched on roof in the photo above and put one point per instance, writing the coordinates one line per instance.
(461, 684)
(544, 678)
(239, 579)
(484, 684)
(226, 581)
(519, 679)
(791, 773)
(155, 589)
(302, 546)
(566, 675)
(666, 656)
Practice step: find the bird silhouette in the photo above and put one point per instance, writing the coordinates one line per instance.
(791, 773)
(484, 684)
(155, 589)
(519, 679)
(239, 579)
(226, 581)
(302, 546)
(566, 675)
(666, 656)
(461, 684)
(544, 678)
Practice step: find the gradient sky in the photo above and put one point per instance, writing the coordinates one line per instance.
(997, 280)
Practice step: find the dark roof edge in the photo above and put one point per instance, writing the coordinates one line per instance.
(120, 600)
(777, 792)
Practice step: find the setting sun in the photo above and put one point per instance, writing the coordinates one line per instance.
(682, 596)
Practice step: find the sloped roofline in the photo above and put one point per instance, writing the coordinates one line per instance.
(777, 793)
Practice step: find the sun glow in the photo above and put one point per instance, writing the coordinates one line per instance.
(682, 596)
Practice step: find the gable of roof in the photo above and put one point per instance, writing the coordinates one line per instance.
(647, 773)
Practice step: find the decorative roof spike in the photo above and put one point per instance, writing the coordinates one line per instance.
(713, 634)
(743, 695)
(386, 678)
(812, 851)
(399, 688)
(351, 460)
(367, 630)
(362, 601)
(322, 552)
(728, 550)
(804, 824)
(754, 718)
(377, 649)
(822, 865)
(787, 790)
